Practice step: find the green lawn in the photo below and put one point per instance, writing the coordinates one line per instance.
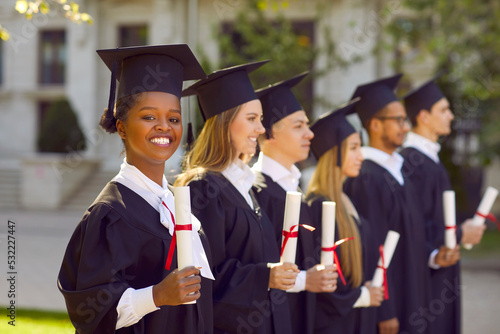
(36, 322)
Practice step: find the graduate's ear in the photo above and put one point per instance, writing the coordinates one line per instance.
(374, 125)
(423, 117)
(120, 127)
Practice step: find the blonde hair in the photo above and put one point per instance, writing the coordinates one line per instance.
(212, 150)
(327, 181)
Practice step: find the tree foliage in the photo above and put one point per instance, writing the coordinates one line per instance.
(462, 36)
(70, 10)
(60, 130)
(261, 31)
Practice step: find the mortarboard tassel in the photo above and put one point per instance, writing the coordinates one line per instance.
(112, 89)
(339, 150)
(190, 137)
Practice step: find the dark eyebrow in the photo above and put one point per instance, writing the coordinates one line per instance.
(155, 108)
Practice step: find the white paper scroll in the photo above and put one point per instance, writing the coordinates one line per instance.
(391, 241)
(184, 237)
(484, 208)
(292, 217)
(327, 232)
(450, 221)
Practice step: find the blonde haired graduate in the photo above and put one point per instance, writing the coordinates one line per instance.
(350, 309)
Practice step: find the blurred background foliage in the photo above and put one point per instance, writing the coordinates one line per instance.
(461, 36)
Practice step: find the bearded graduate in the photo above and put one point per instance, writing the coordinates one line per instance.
(431, 117)
(119, 271)
(287, 141)
(337, 146)
(386, 199)
(249, 291)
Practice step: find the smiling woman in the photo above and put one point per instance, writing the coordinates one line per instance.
(116, 273)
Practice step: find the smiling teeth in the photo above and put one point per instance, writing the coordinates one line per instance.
(161, 141)
(253, 139)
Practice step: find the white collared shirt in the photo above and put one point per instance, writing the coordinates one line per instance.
(424, 145)
(288, 179)
(391, 162)
(242, 178)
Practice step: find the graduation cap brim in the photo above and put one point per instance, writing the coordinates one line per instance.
(278, 101)
(224, 89)
(332, 128)
(423, 97)
(192, 69)
(140, 69)
(375, 96)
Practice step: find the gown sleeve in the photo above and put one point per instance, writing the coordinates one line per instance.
(99, 259)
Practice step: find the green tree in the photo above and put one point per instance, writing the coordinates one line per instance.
(254, 36)
(70, 10)
(462, 36)
(60, 130)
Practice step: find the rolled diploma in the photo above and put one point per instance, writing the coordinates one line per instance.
(327, 231)
(484, 208)
(450, 234)
(292, 216)
(184, 238)
(391, 241)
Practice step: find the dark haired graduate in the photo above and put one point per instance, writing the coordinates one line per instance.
(119, 271)
(431, 117)
(249, 280)
(286, 142)
(386, 199)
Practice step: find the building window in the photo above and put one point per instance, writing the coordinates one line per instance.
(52, 57)
(133, 35)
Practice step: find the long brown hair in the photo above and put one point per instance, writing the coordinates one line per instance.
(212, 150)
(327, 181)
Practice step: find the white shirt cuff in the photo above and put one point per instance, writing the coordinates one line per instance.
(364, 298)
(133, 305)
(432, 260)
(300, 282)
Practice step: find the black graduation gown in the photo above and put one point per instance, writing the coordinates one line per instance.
(120, 243)
(272, 197)
(242, 242)
(335, 312)
(432, 180)
(387, 205)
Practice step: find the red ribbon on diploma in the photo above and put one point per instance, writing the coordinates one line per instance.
(384, 269)
(451, 228)
(490, 217)
(292, 234)
(335, 257)
(171, 249)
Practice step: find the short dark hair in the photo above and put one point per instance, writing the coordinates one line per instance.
(122, 107)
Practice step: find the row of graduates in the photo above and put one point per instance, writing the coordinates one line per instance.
(118, 272)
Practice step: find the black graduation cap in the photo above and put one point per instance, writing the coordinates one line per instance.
(159, 68)
(278, 101)
(375, 95)
(422, 98)
(331, 129)
(224, 89)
